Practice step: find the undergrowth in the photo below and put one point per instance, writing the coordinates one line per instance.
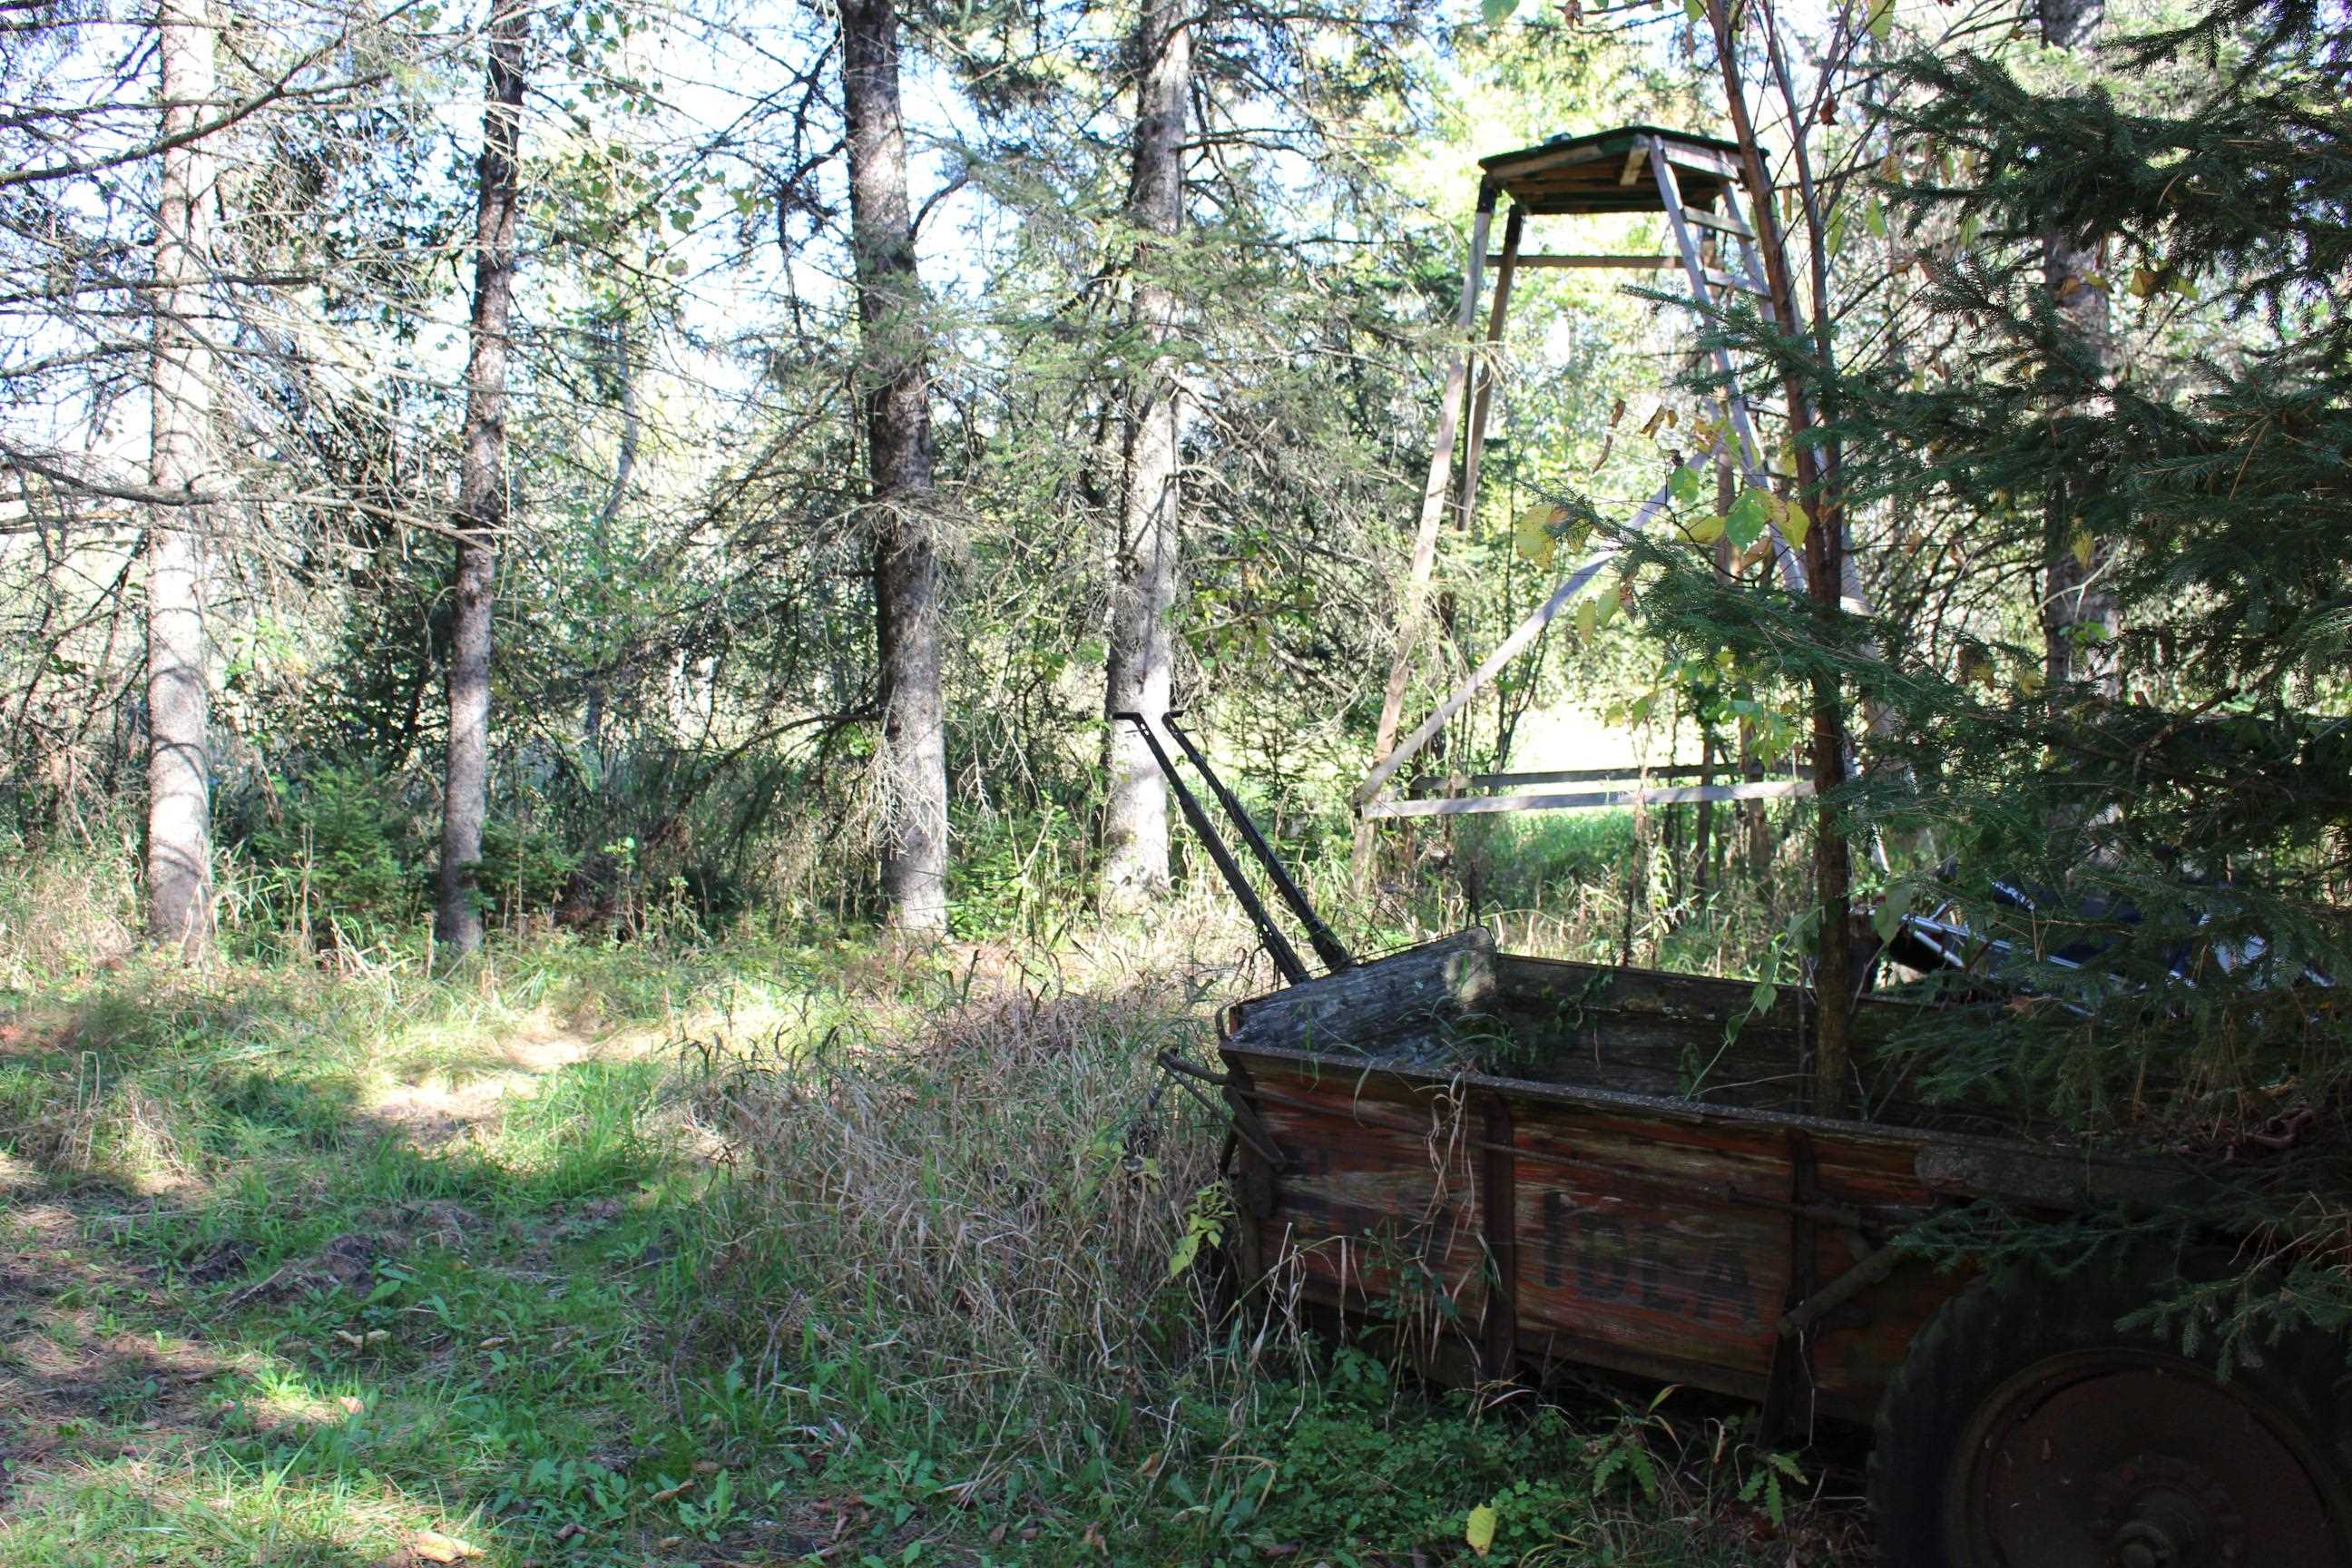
(762, 1249)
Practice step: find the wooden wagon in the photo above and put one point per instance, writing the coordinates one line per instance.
(1516, 1164)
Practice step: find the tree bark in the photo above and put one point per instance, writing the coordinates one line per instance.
(481, 486)
(179, 702)
(2080, 615)
(1140, 677)
(893, 338)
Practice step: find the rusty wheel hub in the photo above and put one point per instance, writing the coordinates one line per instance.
(2126, 1458)
(2155, 1511)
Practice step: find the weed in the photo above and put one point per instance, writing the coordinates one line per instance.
(769, 1248)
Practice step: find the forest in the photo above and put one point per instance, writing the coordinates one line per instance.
(687, 693)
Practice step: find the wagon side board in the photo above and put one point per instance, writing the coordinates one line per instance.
(1516, 1227)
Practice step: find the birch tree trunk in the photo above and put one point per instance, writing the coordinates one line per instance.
(896, 385)
(481, 486)
(2079, 613)
(179, 702)
(1139, 676)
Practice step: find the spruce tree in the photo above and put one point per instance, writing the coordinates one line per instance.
(2158, 839)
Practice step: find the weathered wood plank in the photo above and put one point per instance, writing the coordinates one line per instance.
(1646, 1233)
(1556, 260)
(1409, 1001)
(1589, 800)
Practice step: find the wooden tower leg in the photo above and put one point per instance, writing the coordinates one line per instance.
(1490, 366)
(1433, 496)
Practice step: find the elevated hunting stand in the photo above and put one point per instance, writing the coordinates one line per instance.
(1697, 182)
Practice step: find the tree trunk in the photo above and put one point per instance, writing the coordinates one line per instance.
(481, 487)
(2080, 615)
(1824, 577)
(914, 765)
(1143, 590)
(179, 704)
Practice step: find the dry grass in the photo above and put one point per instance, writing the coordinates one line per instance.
(980, 1226)
(65, 911)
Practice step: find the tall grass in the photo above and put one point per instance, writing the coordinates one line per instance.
(827, 1234)
(979, 1221)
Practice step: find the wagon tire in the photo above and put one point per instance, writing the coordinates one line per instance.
(2025, 1430)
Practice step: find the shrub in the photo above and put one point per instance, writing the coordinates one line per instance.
(342, 841)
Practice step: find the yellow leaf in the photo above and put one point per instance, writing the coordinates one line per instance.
(1588, 618)
(1481, 1534)
(1532, 534)
(1706, 530)
(2029, 681)
(435, 1547)
(2081, 547)
(2144, 282)
(1794, 522)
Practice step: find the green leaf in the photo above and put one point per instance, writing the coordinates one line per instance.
(1874, 217)
(1497, 11)
(1887, 919)
(1744, 523)
(1588, 618)
(1882, 20)
(1694, 9)
(1683, 486)
(1481, 1532)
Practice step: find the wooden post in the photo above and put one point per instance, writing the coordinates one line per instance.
(1433, 508)
(1507, 264)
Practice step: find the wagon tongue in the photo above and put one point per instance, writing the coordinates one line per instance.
(1327, 947)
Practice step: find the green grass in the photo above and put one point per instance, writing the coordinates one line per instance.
(823, 1253)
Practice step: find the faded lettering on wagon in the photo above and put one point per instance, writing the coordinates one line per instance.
(1607, 1260)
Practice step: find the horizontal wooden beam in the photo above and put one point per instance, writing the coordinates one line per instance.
(1444, 784)
(1706, 220)
(1589, 800)
(1549, 258)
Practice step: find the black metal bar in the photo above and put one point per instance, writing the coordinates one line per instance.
(1328, 946)
(1235, 1126)
(1171, 1062)
(1278, 946)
